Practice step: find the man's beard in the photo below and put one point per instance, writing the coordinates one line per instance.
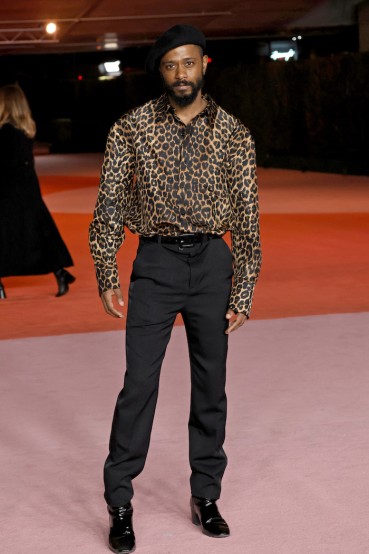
(186, 99)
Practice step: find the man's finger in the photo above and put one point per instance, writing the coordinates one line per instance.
(235, 324)
(118, 294)
(107, 300)
(230, 313)
(232, 326)
(108, 307)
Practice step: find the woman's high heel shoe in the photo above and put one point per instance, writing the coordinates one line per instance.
(2, 292)
(64, 279)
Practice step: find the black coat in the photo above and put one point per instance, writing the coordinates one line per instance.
(30, 243)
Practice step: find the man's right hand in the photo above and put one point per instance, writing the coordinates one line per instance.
(107, 298)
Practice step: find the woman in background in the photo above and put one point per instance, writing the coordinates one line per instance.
(30, 243)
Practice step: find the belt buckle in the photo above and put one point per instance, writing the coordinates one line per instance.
(186, 241)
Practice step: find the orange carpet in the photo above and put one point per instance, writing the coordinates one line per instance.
(313, 264)
(58, 183)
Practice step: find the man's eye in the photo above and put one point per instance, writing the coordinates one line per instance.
(189, 63)
(169, 66)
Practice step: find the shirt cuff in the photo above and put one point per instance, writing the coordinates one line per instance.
(241, 297)
(107, 277)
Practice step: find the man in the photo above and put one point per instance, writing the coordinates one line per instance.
(180, 172)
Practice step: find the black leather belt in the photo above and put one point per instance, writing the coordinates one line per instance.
(184, 241)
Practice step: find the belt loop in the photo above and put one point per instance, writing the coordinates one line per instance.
(159, 239)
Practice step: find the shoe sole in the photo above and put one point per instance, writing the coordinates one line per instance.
(121, 551)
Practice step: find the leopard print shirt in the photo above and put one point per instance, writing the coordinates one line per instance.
(161, 176)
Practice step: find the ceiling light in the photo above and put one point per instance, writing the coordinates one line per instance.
(110, 68)
(276, 55)
(109, 41)
(51, 28)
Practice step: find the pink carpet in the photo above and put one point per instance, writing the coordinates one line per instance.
(297, 481)
(298, 389)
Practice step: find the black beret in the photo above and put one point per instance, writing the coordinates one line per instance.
(172, 38)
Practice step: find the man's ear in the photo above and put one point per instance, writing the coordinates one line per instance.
(204, 63)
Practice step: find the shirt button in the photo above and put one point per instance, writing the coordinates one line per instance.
(210, 188)
(182, 211)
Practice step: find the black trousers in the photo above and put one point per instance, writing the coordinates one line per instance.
(167, 280)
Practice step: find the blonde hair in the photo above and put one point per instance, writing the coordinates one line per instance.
(14, 109)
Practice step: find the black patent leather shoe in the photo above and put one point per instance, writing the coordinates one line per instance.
(121, 536)
(205, 513)
(64, 279)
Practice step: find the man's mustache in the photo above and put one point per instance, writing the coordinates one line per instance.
(182, 83)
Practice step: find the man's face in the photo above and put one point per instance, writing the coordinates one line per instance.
(182, 70)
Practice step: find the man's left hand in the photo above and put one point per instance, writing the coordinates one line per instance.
(234, 321)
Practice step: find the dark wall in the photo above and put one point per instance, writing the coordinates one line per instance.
(308, 114)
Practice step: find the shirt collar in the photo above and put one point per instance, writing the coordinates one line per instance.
(164, 107)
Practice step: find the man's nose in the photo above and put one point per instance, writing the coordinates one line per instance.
(181, 72)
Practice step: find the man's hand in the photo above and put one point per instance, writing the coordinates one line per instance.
(107, 300)
(234, 324)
